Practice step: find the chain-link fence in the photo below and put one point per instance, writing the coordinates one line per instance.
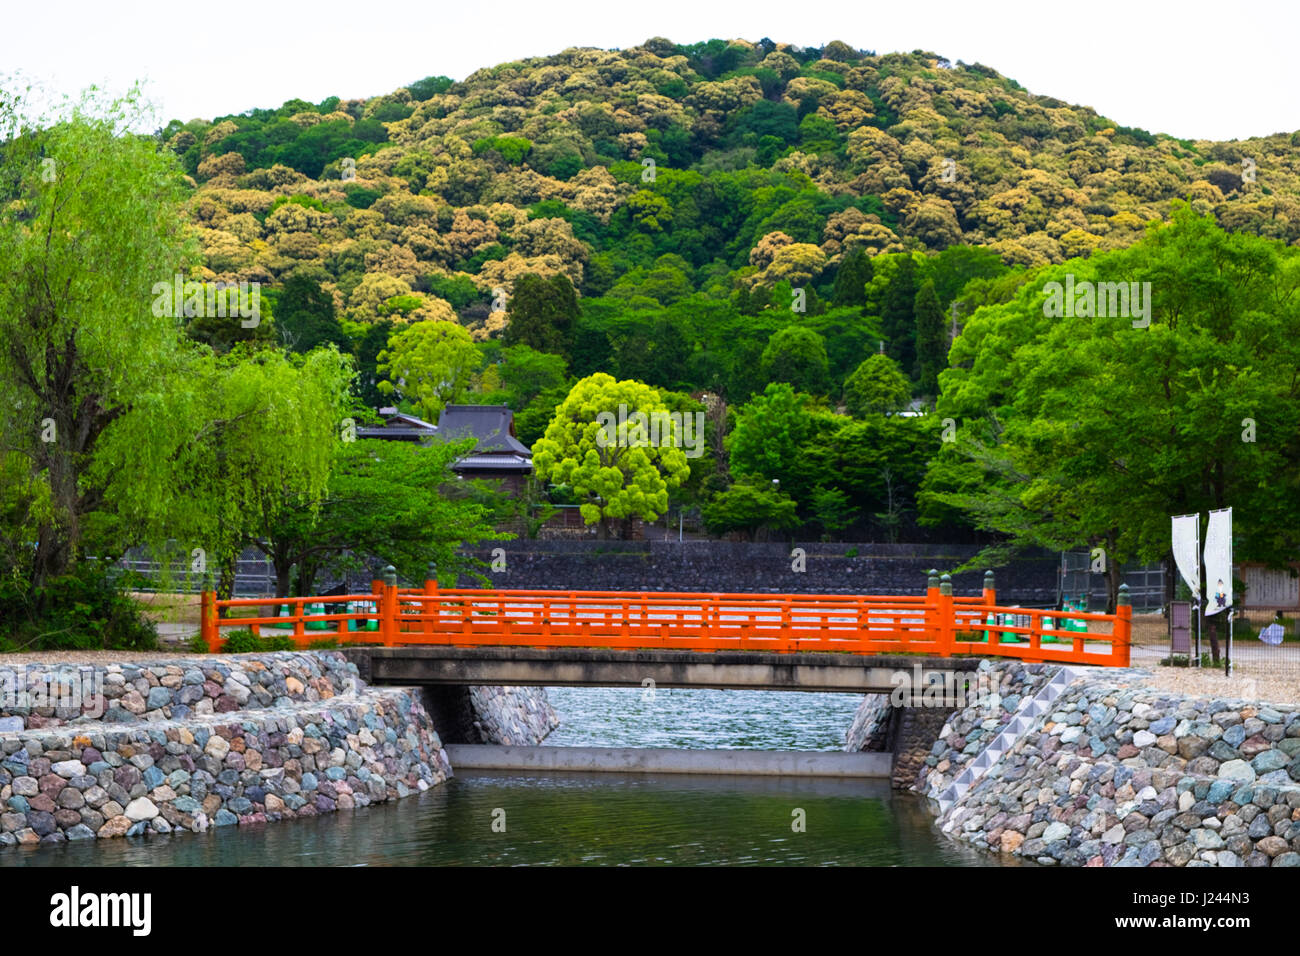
(254, 576)
(1265, 642)
(1084, 585)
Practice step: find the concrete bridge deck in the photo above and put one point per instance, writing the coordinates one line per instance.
(594, 666)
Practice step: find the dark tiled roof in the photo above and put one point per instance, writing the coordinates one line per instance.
(492, 426)
(398, 425)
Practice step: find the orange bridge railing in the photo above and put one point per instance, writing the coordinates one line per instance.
(937, 623)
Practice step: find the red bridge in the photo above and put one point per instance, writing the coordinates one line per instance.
(936, 624)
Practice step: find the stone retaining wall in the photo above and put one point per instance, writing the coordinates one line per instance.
(193, 743)
(168, 689)
(913, 733)
(522, 716)
(1121, 774)
(736, 566)
(108, 779)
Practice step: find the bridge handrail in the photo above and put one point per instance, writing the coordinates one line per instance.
(937, 622)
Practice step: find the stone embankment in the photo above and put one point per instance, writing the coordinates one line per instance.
(1117, 773)
(519, 716)
(189, 744)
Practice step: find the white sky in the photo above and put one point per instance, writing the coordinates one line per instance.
(1194, 69)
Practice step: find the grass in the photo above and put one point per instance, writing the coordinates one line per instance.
(244, 641)
(1182, 660)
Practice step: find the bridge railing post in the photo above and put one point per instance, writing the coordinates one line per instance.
(1121, 644)
(430, 606)
(932, 598)
(990, 597)
(208, 630)
(388, 607)
(947, 624)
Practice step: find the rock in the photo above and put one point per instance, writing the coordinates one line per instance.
(140, 809)
(115, 827)
(1271, 846)
(1055, 831)
(1269, 760)
(1144, 738)
(1236, 770)
(68, 768)
(1205, 839)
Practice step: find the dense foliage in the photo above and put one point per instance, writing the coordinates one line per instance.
(835, 262)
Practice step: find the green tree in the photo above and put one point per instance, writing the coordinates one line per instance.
(876, 387)
(305, 316)
(374, 341)
(617, 468)
(931, 340)
(897, 307)
(226, 447)
(542, 313)
(84, 238)
(797, 357)
(527, 373)
(851, 279)
(774, 437)
(748, 506)
(1085, 430)
(430, 364)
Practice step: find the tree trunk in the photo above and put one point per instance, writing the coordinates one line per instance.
(283, 572)
(1213, 629)
(1114, 578)
(226, 577)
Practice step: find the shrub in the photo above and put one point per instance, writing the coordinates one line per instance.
(81, 610)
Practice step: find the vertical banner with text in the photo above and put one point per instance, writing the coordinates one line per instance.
(1218, 562)
(1187, 552)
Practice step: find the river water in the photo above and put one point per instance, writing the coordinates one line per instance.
(511, 818)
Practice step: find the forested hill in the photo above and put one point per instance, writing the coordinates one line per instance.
(770, 162)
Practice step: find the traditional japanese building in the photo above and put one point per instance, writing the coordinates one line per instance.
(498, 454)
(398, 426)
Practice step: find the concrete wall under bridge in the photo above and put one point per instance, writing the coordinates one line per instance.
(445, 673)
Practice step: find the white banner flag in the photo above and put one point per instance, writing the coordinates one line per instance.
(1187, 552)
(1218, 561)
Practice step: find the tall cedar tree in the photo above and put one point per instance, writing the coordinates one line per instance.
(305, 316)
(542, 313)
(899, 318)
(367, 381)
(851, 280)
(931, 340)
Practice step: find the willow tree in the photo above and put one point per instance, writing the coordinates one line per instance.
(90, 220)
(214, 457)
